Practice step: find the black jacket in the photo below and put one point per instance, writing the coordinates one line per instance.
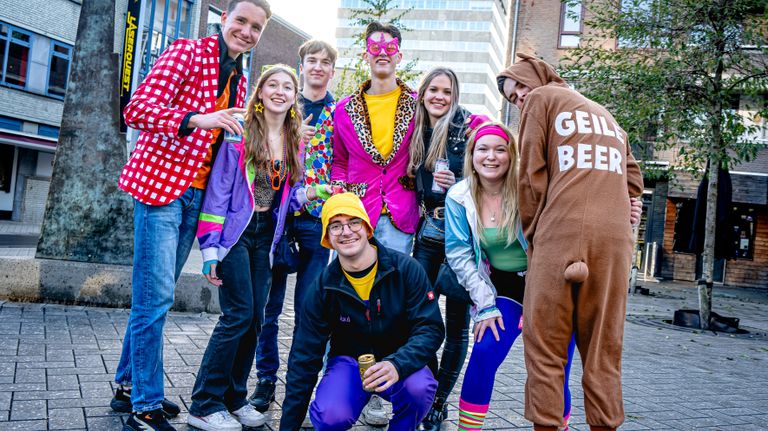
(402, 325)
(456, 146)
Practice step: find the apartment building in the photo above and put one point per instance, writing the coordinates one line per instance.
(469, 36)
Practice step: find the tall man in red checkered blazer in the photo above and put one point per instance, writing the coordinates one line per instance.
(182, 109)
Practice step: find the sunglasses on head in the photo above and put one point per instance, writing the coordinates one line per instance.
(390, 47)
(266, 67)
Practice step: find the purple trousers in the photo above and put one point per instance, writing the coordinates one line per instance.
(340, 397)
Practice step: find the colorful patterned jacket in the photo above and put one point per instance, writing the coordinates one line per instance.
(318, 154)
(361, 169)
(184, 79)
(228, 204)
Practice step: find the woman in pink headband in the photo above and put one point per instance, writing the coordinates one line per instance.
(486, 249)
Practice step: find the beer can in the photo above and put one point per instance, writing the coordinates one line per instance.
(440, 165)
(231, 137)
(364, 362)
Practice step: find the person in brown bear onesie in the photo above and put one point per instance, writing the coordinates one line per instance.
(577, 175)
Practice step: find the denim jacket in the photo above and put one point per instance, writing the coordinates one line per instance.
(229, 203)
(465, 254)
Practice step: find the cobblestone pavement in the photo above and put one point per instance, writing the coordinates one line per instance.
(57, 364)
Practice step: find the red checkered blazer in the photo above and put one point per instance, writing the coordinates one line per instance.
(184, 79)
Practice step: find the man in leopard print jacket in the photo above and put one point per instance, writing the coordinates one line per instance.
(372, 131)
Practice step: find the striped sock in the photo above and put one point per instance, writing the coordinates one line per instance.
(471, 416)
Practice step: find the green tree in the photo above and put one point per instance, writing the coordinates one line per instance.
(670, 70)
(375, 10)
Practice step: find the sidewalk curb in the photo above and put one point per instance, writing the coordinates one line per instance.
(68, 282)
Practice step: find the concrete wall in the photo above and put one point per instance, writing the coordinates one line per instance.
(35, 193)
(25, 168)
(60, 281)
(30, 107)
(56, 19)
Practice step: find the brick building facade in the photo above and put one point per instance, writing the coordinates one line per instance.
(544, 29)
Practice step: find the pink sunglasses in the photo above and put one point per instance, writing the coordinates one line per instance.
(391, 47)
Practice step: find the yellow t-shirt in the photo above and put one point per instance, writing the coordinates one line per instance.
(364, 284)
(381, 111)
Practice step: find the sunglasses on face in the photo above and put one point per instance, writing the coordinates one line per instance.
(390, 47)
(337, 228)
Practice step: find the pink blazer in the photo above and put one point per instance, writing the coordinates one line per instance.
(360, 168)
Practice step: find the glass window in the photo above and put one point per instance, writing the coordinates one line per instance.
(7, 155)
(570, 24)
(167, 25)
(683, 225)
(15, 49)
(213, 24)
(49, 131)
(3, 45)
(9, 123)
(58, 76)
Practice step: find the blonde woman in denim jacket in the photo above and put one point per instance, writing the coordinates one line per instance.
(486, 249)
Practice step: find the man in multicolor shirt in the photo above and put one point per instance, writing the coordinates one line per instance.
(317, 62)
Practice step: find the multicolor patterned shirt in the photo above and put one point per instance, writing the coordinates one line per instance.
(318, 154)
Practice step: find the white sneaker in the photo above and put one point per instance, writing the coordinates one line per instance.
(219, 421)
(374, 413)
(249, 417)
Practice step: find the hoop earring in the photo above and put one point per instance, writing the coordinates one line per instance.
(258, 107)
(293, 112)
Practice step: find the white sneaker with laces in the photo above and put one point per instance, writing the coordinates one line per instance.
(219, 421)
(374, 413)
(249, 417)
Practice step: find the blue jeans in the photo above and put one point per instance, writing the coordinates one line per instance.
(391, 237)
(313, 258)
(221, 382)
(162, 239)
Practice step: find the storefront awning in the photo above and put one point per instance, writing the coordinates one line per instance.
(26, 140)
(748, 187)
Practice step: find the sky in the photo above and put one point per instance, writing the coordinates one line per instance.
(316, 17)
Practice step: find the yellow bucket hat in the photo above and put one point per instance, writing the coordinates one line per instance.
(343, 204)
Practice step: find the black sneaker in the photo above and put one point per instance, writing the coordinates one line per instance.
(121, 403)
(434, 418)
(263, 395)
(148, 421)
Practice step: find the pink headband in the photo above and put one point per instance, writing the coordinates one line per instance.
(491, 130)
(476, 122)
